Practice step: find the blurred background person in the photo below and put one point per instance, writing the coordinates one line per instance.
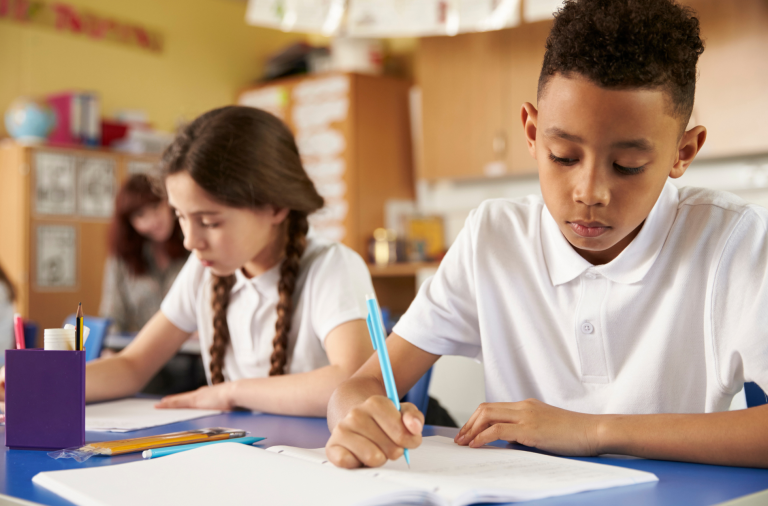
(146, 254)
(7, 298)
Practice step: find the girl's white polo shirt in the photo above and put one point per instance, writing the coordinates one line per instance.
(330, 290)
(675, 324)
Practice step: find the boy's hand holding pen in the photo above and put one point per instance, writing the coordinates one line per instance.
(374, 432)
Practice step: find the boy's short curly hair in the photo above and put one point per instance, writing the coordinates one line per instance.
(624, 44)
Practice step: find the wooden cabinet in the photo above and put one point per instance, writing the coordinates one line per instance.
(473, 86)
(353, 134)
(56, 206)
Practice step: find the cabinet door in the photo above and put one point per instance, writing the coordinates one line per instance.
(523, 49)
(732, 89)
(472, 88)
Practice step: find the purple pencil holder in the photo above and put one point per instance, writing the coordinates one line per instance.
(44, 399)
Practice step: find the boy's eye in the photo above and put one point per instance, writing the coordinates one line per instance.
(628, 170)
(563, 161)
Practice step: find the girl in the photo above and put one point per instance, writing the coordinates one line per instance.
(280, 313)
(147, 253)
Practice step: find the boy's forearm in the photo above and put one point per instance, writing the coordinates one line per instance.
(732, 438)
(351, 393)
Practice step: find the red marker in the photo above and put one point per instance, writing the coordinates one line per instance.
(18, 329)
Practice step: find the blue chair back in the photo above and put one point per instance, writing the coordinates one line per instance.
(99, 328)
(755, 395)
(419, 394)
(30, 334)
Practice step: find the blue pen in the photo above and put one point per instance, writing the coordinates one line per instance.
(161, 452)
(376, 329)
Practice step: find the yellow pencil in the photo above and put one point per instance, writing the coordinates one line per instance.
(79, 327)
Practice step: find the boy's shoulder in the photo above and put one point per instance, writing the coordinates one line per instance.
(707, 203)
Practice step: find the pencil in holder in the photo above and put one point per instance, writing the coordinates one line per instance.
(44, 399)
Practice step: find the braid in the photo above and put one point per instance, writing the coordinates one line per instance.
(219, 302)
(289, 271)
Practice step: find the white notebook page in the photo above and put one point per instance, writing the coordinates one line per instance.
(128, 415)
(463, 475)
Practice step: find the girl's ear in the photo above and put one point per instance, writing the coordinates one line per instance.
(279, 214)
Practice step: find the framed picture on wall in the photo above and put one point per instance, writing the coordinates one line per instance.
(55, 181)
(56, 256)
(96, 187)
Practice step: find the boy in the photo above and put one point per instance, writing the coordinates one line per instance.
(626, 312)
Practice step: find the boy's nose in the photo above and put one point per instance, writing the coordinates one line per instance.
(591, 187)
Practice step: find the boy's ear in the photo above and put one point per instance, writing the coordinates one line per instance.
(690, 144)
(530, 117)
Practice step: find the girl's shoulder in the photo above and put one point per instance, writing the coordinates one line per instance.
(326, 258)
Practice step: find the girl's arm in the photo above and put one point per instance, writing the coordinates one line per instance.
(127, 372)
(306, 394)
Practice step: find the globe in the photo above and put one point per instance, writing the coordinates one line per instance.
(29, 121)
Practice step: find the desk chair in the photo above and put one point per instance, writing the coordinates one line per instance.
(755, 395)
(419, 394)
(30, 334)
(99, 327)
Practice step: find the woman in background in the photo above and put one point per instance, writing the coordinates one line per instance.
(7, 296)
(146, 254)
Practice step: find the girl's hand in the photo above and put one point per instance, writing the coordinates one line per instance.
(215, 397)
(2, 383)
(373, 433)
(532, 423)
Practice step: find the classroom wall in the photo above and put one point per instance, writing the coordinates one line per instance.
(209, 54)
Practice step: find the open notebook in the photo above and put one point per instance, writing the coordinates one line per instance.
(442, 473)
(126, 415)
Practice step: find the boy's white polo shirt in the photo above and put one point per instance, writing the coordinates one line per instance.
(330, 290)
(675, 324)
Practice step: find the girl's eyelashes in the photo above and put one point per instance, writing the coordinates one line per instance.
(563, 161)
(209, 225)
(630, 171)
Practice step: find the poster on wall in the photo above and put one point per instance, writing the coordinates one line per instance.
(140, 167)
(96, 187)
(56, 256)
(54, 184)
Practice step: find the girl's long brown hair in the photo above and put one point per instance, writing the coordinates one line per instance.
(247, 158)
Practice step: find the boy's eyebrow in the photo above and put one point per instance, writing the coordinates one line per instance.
(638, 144)
(562, 134)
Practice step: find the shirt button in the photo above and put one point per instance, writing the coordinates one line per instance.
(587, 328)
(591, 275)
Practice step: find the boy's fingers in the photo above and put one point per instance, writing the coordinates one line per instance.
(391, 422)
(487, 415)
(505, 431)
(364, 450)
(360, 422)
(461, 436)
(341, 457)
(413, 419)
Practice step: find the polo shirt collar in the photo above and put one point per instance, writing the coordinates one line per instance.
(632, 264)
(264, 283)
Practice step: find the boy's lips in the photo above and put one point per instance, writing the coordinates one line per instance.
(588, 228)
